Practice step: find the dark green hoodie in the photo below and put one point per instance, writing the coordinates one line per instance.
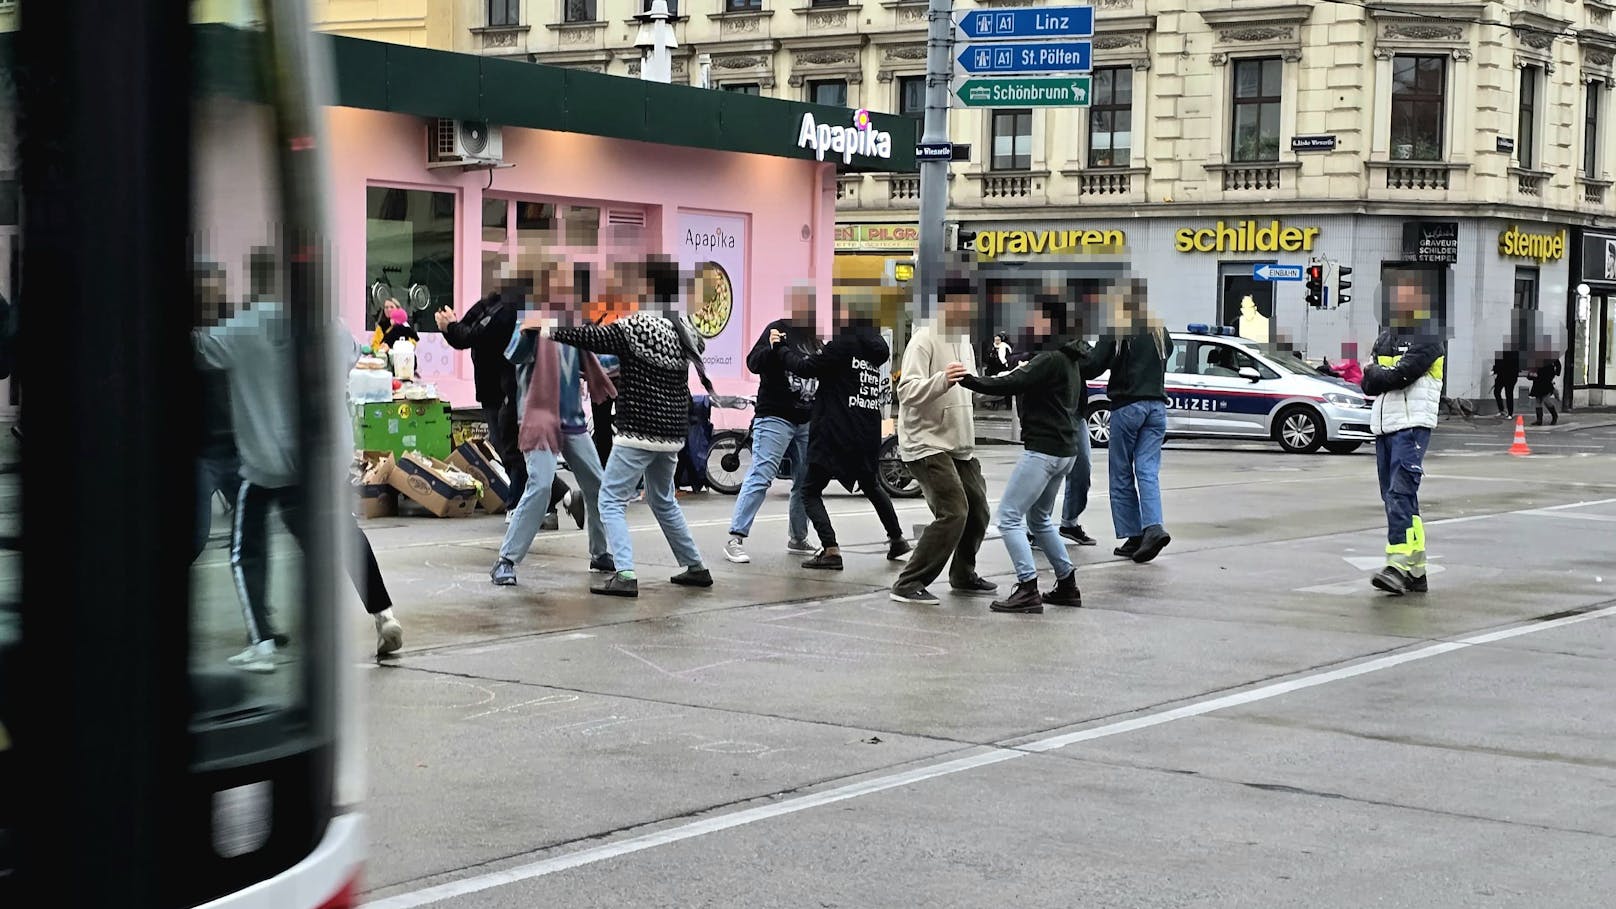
(1138, 365)
(1046, 389)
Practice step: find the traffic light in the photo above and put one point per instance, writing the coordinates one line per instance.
(1315, 285)
(1342, 285)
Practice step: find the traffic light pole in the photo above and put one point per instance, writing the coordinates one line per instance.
(934, 174)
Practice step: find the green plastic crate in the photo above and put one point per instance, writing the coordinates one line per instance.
(400, 426)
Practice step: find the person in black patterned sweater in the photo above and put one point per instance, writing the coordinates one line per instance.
(649, 427)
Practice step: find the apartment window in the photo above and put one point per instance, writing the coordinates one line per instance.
(504, 12)
(828, 91)
(1012, 140)
(742, 6)
(744, 88)
(1258, 85)
(673, 7)
(828, 2)
(912, 96)
(579, 11)
(1526, 125)
(1111, 117)
(1419, 103)
(1590, 130)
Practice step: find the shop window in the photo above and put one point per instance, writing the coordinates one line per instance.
(912, 96)
(1526, 122)
(504, 13)
(1245, 303)
(1012, 140)
(1258, 87)
(1526, 288)
(1111, 117)
(742, 6)
(1419, 104)
(832, 92)
(1591, 105)
(579, 11)
(410, 250)
(744, 88)
(496, 219)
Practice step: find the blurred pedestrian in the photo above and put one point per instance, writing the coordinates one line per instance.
(1543, 390)
(485, 330)
(1507, 372)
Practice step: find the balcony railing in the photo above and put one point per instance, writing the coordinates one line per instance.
(847, 190)
(1530, 182)
(1106, 182)
(1593, 191)
(1008, 186)
(1417, 176)
(902, 191)
(1245, 177)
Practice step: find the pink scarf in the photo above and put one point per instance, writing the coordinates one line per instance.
(541, 409)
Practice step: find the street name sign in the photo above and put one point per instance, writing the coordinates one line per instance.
(1027, 57)
(1072, 91)
(936, 151)
(1038, 22)
(1277, 272)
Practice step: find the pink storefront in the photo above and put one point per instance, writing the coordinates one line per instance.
(432, 187)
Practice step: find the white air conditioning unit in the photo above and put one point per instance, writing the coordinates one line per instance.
(464, 143)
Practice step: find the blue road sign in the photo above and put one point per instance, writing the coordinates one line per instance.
(938, 151)
(1040, 22)
(1028, 57)
(1277, 272)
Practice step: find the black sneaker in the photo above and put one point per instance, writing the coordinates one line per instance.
(897, 548)
(615, 585)
(917, 595)
(693, 577)
(1065, 592)
(551, 522)
(1128, 548)
(1075, 534)
(826, 562)
(1151, 543)
(504, 573)
(976, 587)
(1391, 580)
(603, 564)
(1418, 584)
(1024, 599)
(576, 508)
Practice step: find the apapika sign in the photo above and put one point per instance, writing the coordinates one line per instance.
(859, 139)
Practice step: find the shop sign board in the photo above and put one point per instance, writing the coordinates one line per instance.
(1431, 241)
(877, 237)
(713, 247)
(1518, 244)
(1598, 257)
(1246, 236)
(857, 139)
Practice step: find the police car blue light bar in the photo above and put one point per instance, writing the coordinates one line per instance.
(1201, 328)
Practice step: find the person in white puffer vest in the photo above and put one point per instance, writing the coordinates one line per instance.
(1405, 379)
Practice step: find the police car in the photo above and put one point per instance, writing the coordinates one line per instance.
(1219, 385)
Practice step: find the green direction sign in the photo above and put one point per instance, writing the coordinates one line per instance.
(1068, 91)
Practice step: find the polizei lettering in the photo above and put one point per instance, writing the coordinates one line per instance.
(846, 141)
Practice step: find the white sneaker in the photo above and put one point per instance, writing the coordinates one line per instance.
(507, 518)
(259, 657)
(800, 547)
(389, 633)
(735, 551)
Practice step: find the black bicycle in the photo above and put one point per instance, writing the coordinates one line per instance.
(729, 457)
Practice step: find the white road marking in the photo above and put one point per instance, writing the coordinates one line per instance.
(993, 755)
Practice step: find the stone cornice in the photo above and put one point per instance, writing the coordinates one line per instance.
(1293, 14)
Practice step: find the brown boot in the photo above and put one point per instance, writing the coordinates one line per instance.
(1024, 598)
(1065, 592)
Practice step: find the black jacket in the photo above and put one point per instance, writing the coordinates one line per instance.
(485, 330)
(1507, 367)
(1046, 389)
(845, 437)
(392, 334)
(1138, 365)
(782, 393)
(218, 440)
(1543, 378)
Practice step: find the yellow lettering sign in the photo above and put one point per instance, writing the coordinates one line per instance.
(990, 244)
(1518, 244)
(1246, 236)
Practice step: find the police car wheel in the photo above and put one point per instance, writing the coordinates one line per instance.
(1299, 430)
(1099, 425)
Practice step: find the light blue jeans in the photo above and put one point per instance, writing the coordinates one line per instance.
(772, 438)
(1028, 503)
(528, 515)
(1137, 432)
(624, 468)
(584, 459)
(1077, 482)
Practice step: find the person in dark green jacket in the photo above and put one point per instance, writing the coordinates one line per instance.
(1135, 350)
(1046, 390)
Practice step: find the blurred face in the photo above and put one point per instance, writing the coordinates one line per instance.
(800, 308)
(1410, 306)
(957, 310)
(210, 298)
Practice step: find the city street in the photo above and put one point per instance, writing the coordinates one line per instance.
(1242, 722)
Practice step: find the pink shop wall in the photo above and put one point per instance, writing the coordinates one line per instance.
(787, 208)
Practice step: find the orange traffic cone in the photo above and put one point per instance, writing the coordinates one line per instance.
(1519, 449)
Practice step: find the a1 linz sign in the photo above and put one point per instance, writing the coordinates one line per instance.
(1041, 22)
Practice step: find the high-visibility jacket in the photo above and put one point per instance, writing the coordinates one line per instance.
(1405, 380)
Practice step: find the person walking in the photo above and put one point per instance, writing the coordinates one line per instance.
(937, 442)
(780, 428)
(1135, 349)
(1046, 395)
(1507, 372)
(485, 330)
(846, 441)
(1405, 379)
(655, 353)
(1543, 390)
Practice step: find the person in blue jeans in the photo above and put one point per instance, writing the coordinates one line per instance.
(1046, 393)
(1135, 349)
(780, 428)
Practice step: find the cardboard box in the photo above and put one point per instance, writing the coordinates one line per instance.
(439, 487)
(477, 458)
(369, 475)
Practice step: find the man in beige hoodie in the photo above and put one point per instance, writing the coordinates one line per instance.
(937, 441)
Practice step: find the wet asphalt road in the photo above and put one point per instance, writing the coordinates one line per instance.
(1243, 722)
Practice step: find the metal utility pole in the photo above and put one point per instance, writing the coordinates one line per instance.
(934, 174)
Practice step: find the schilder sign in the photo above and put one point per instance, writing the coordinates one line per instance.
(861, 138)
